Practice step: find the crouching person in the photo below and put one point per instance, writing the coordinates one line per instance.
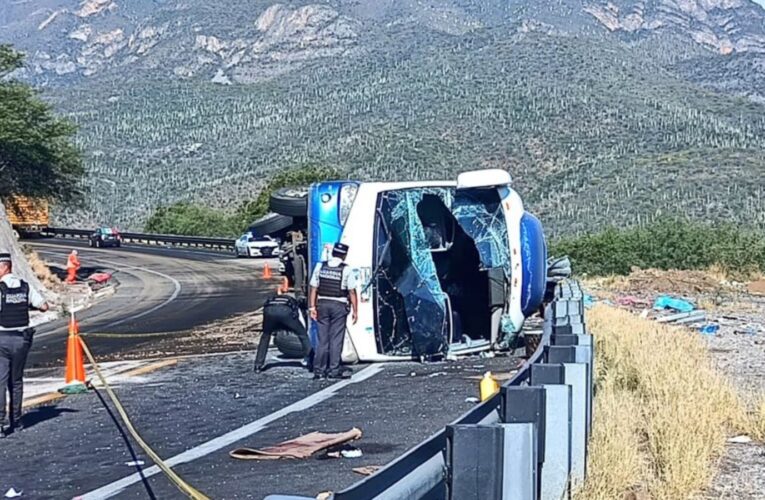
(331, 297)
(281, 312)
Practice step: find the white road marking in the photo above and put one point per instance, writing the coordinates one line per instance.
(113, 371)
(118, 266)
(232, 437)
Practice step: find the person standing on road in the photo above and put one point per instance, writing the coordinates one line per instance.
(332, 294)
(16, 298)
(72, 266)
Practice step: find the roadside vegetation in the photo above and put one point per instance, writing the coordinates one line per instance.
(194, 219)
(672, 244)
(37, 156)
(662, 412)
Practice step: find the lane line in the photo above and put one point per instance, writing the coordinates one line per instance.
(232, 437)
(118, 266)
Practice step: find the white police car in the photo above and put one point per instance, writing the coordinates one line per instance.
(251, 245)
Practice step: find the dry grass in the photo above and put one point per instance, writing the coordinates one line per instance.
(755, 418)
(40, 268)
(662, 411)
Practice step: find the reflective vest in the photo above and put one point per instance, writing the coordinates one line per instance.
(284, 301)
(72, 262)
(14, 306)
(331, 281)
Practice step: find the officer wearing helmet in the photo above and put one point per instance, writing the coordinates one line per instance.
(16, 298)
(331, 297)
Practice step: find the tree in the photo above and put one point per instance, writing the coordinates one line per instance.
(37, 157)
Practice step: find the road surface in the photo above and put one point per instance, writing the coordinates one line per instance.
(161, 290)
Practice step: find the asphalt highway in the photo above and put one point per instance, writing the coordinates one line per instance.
(160, 290)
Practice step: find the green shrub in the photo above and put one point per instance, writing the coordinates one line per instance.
(191, 220)
(665, 245)
(304, 175)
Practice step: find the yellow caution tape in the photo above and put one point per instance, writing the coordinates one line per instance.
(182, 485)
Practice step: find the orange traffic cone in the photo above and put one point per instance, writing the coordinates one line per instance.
(266, 272)
(75, 367)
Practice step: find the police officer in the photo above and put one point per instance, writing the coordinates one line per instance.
(332, 291)
(16, 298)
(281, 312)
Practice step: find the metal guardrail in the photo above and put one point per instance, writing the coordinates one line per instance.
(222, 244)
(564, 358)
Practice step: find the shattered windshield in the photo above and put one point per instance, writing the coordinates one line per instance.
(434, 250)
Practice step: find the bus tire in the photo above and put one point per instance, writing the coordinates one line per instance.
(290, 344)
(289, 201)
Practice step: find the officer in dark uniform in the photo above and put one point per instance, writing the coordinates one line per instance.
(281, 312)
(16, 298)
(332, 294)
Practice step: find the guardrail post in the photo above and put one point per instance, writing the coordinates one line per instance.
(492, 462)
(475, 459)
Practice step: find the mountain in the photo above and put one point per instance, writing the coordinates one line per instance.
(604, 112)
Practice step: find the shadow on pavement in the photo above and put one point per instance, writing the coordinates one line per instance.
(43, 413)
(136, 461)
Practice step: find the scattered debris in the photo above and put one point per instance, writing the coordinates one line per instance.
(367, 470)
(683, 318)
(750, 329)
(324, 495)
(437, 374)
(501, 376)
(472, 399)
(344, 450)
(667, 302)
(301, 447)
(134, 463)
(631, 301)
(589, 301)
(740, 440)
(12, 493)
(710, 329)
(237, 396)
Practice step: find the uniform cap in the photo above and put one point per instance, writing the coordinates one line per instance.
(340, 249)
(5, 257)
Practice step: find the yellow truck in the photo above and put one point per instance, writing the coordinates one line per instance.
(27, 215)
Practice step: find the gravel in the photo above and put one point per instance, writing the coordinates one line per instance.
(738, 349)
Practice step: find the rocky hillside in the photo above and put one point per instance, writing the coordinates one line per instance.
(620, 111)
(230, 41)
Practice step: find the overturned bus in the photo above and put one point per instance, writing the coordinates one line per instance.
(445, 268)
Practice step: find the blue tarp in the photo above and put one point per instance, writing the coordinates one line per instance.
(667, 302)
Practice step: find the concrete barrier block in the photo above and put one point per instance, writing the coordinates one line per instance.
(557, 456)
(576, 377)
(519, 473)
